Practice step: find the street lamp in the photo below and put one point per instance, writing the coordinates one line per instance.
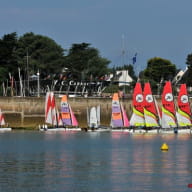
(38, 84)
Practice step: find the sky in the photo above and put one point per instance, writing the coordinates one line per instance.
(150, 28)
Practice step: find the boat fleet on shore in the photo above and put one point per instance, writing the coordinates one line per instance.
(147, 116)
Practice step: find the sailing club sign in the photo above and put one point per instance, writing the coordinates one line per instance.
(77, 83)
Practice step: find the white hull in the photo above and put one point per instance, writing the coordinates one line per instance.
(60, 129)
(152, 131)
(184, 131)
(138, 131)
(99, 130)
(5, 129)
(162, 131)
(121, 130)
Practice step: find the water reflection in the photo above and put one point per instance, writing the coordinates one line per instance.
(33, 161)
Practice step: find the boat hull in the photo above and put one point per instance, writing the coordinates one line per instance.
(99, 129)
(121, 130)
(5, 129)
(60, 129)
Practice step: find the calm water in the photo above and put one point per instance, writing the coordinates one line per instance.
(93, 162)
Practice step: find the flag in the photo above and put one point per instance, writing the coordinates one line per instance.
(134, 59)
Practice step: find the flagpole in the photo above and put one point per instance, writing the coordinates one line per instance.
(123, 61)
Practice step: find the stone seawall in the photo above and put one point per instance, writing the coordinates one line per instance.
(28, 112)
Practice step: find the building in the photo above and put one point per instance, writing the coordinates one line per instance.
(121, 77)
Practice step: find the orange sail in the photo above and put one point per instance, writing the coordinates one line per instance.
(67, 114)
(116, 119)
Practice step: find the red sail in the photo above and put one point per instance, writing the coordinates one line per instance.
(167, 98)
(149, 103)
(183, 101)
(138, 98)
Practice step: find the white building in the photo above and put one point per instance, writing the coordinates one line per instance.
(122, 77)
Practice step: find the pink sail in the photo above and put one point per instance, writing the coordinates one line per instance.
(125, 118)
(73, 118)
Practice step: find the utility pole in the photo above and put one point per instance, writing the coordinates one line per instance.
(27, 68)
(123, 62)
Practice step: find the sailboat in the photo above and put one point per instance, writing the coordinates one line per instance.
(2, 123)
(168, 121)
(67, 115)
(183, 111)
(151, 115)
(119, 119)
(52, 116)
(137, 119)
(93, 120)
(93, 117)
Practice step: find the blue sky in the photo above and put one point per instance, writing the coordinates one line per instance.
(152, 28)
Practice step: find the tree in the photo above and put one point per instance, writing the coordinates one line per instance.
(44, 54)
(189, 60)
(84, 62)
(158, 69)
(8, 57)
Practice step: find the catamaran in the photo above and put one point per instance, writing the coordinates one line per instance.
(119, 119)
(67, 115)
(93, 120)
(2, 123)
(52, 116)
(168, 121)
(137, 120)
(183, 111)
(151, 115)
(55, 120)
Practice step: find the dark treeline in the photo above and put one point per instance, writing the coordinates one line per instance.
(32, 53)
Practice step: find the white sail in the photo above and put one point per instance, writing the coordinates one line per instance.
(48, 116)
(167, 121)
(88, 119)
(98, 115)
(50, 109)
(93, 118)
(182, 120)
(136, 120)
(53, 110)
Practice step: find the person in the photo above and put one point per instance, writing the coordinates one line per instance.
(92, 126)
